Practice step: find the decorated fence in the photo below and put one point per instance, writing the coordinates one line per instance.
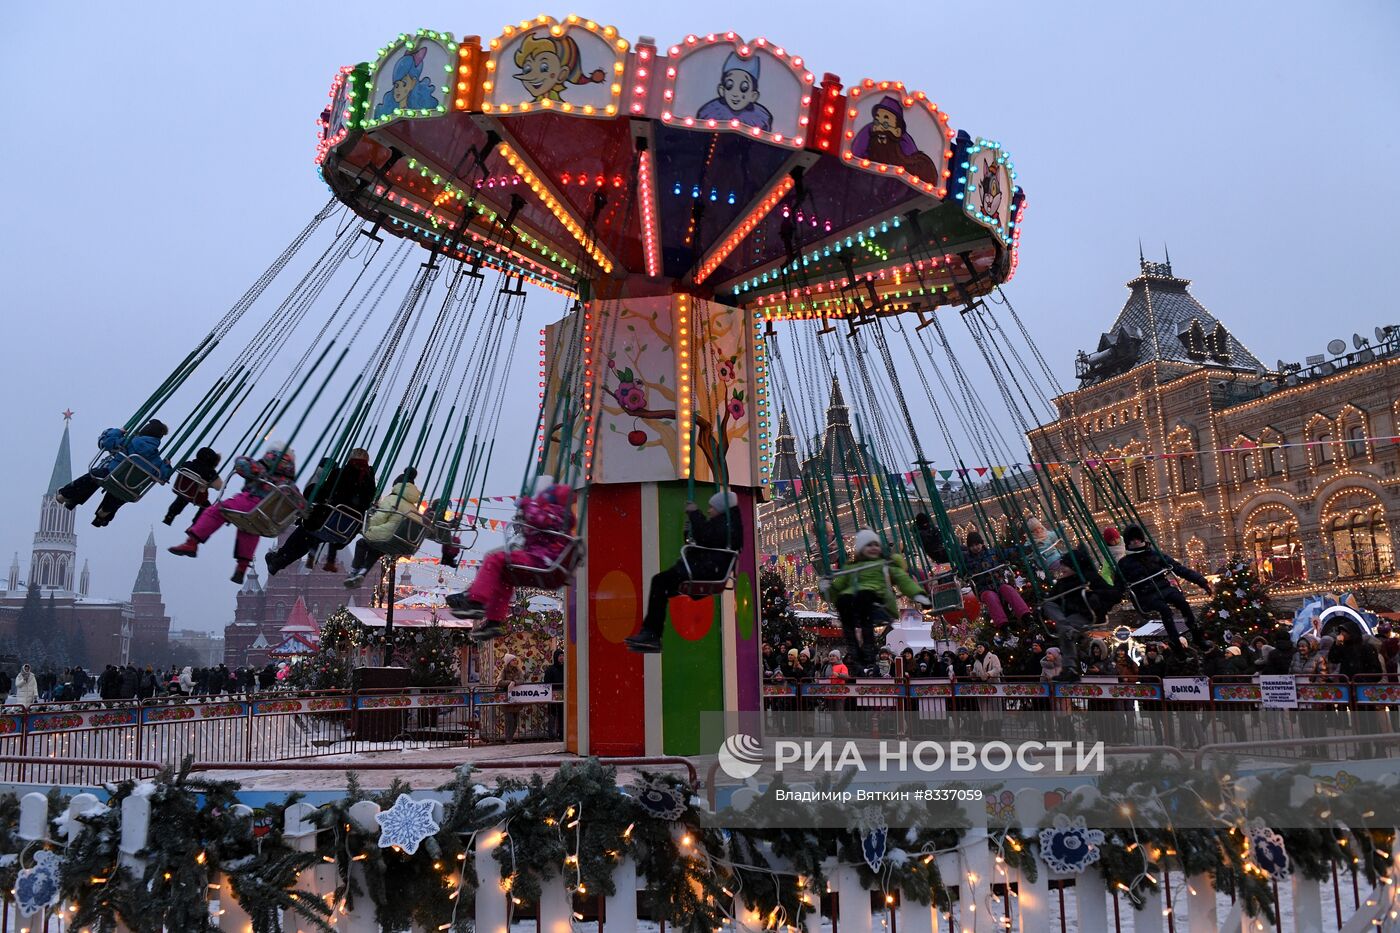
(578, 849)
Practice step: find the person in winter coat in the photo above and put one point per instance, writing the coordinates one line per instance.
(1075, 604)
(544, 522)
(1306, 659)
(1388, 650)
(512, 672)
(26, 687)
(1351, 657)
(985, 572)
(835, 670)
(986, 666)
(1144, 569)
(277, 466)
(205, 465)
(1049, 549)
(143, 445)
(1117, 550)
(398, 505)
(186, 681)
(1236, 664)
(868, 585)
(930, 539)
(1153, 664)
(1124, 665)
(352, 486)
(5, 684)
(719, 529)
(1051, 667)
(1098, 663)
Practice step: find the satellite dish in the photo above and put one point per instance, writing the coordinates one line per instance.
(1382, 334)
(1337, 347)
(1280, 366)
(1359, 342)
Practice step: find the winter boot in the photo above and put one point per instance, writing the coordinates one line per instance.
(238, 571)
(274, 564)
(487, 630)
(189, 549)
(464, 607)
(644, 642)
(330, 566)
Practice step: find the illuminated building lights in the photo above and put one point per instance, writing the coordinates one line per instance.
(685, 399)
(406, 42)
(938, 186)
(694, 44)
(721, 250)
(557, 29)
(555, 206)
(646, 194)
(968, 181)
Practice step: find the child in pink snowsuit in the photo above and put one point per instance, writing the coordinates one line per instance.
(544, 521)
(260, 477)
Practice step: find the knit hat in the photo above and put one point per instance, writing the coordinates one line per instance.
(507, 659)
(864, 538)
(834, 654)
(1134, 533)
(792, 652)
(1233, 651)
(724, 501)
(974, 539)
(1111, 536)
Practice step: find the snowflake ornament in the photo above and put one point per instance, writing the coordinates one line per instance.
(1069, 847)
(660, 799)
(1268, 849)
(406, 824)
(36, 888)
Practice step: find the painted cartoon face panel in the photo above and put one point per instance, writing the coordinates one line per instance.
(409, 80)
(989, 187)
(554, 66)
(892, 129)
(735, 86)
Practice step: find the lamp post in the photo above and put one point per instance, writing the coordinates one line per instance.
(391, 590)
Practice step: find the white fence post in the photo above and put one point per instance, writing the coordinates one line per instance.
(975, 883)
(364, 815)
(556, 906)
(34, 816)
(812, 907)
(1033, 900)
(853, 901)
(1150, 918)
(232, 917)
(620, 908)
(299, 833)
(914, 917)
(1307, 902)
(1202, 915)
(1090, 898)
(490, 900)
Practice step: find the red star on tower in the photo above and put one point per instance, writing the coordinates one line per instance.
(68, 414)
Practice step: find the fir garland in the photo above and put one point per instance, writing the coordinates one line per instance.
(577, 826)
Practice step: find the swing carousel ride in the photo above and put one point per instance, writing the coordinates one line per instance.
(682, 201)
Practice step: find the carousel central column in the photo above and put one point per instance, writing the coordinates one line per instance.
(659, 372)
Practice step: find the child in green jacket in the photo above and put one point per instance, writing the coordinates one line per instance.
(866, 587)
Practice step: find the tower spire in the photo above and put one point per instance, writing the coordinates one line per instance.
(62, 473)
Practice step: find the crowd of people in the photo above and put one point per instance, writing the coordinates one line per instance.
(1034, 656)
(133, 682)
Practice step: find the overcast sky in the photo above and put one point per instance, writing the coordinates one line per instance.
(156, 156)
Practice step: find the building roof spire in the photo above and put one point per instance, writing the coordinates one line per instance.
(148, 577)
(62, 473)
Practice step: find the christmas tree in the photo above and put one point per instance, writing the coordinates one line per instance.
(1239, 604)
(779, 625)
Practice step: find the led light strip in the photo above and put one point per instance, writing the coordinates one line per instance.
(760, 378)
(721, 250)
(555, 205)
(968, 182)
(685, 400)
(646, 193)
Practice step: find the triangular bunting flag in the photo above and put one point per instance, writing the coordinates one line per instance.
(980, 471)
(946, 474)
(998, 471)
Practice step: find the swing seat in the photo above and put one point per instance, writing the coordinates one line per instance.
(340, 527)
(1132, 590)
(189, 485)
(275, 513)
(409, 532)
(130, 478)
(699, 588)
(945, 593)
(554, 575)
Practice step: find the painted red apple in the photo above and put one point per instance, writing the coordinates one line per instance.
(637, 438)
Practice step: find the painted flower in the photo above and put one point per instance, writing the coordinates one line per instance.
(727, 369)
(736, 406)
(632, 396)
